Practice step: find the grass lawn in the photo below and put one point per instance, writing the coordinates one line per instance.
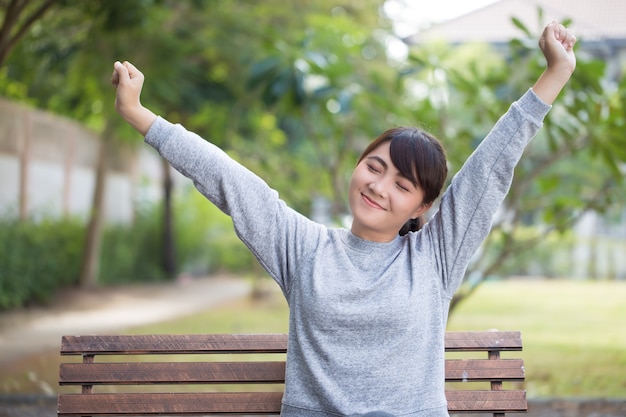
(574, 333)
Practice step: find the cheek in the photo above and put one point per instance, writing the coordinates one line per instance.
(418, 197)
(357, 179)
(414, 205)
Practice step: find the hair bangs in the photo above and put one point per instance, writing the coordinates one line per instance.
(404, 153)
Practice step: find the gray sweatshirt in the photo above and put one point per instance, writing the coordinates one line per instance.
(367, 320)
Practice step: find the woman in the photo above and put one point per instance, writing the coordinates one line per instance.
(369, 305)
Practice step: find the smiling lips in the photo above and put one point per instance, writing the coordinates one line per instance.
(370, 202)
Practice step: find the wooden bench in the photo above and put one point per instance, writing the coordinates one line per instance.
(474, 385)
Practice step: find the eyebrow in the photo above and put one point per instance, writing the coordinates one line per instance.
(380, 160)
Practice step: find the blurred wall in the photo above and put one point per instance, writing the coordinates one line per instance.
(48, 162)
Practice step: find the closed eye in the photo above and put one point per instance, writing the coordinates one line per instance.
(401, 187)
(373, 169)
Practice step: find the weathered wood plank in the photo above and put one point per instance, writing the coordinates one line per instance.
(511, 401)
(253, 403)
(252, 372)
(265, 343)
(483, 341)
(169, 404)
(183, 344)
(458, 370)
(172, 373)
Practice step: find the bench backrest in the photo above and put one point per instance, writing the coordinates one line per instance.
(478, 383)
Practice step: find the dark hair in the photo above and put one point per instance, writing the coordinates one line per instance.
(419, 157)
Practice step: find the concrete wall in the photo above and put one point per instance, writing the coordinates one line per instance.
(47, 168)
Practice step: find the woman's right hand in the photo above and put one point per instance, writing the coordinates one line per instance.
(129, 81)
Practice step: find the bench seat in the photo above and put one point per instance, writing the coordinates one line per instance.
(201, 378)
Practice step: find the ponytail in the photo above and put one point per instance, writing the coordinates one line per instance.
(413, 225)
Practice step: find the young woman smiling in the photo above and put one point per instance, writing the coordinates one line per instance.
(398, 177)
(368, 305)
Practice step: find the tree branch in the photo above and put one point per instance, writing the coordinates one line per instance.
(543, 164)
(7, 42)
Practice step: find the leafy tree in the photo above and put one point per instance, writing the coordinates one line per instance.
(573, 166)
(326, 86)
(19, 17)
(56, 63)
(296, 89)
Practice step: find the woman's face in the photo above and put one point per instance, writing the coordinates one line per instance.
(381, 199)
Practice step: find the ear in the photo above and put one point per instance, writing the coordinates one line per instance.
(423, 208)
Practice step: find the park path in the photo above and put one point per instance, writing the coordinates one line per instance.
(100, 310)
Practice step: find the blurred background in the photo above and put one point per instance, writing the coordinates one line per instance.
(295, 90)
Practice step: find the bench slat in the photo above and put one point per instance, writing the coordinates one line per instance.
(172, 373)
(459, 370)
(251, 372)
(183, 344)
(169, 403)
(266, 343)
(253, 403)
(512, 401)
(483, 341)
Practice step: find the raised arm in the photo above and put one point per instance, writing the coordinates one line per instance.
(129, 80)
(476, 192)
(557, 44)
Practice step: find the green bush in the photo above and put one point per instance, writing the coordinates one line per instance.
(205, 242)
(37, 258)
(132, 253)
(205, 238)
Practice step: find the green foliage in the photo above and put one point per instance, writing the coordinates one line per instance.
(458, 92)
(204, 236)
(13, 89)
(37, 258)
(574, 165)
(132, 253)
(295, 90)
(323, 83)
(205, 239)
(581, 131)
(535, 253)
(197, 57)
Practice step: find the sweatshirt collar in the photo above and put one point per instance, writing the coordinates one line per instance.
(362, 245)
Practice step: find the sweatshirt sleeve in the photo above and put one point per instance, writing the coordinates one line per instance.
(476, 192)
(261, 219)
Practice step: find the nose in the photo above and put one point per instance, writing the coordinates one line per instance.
(378, 187)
